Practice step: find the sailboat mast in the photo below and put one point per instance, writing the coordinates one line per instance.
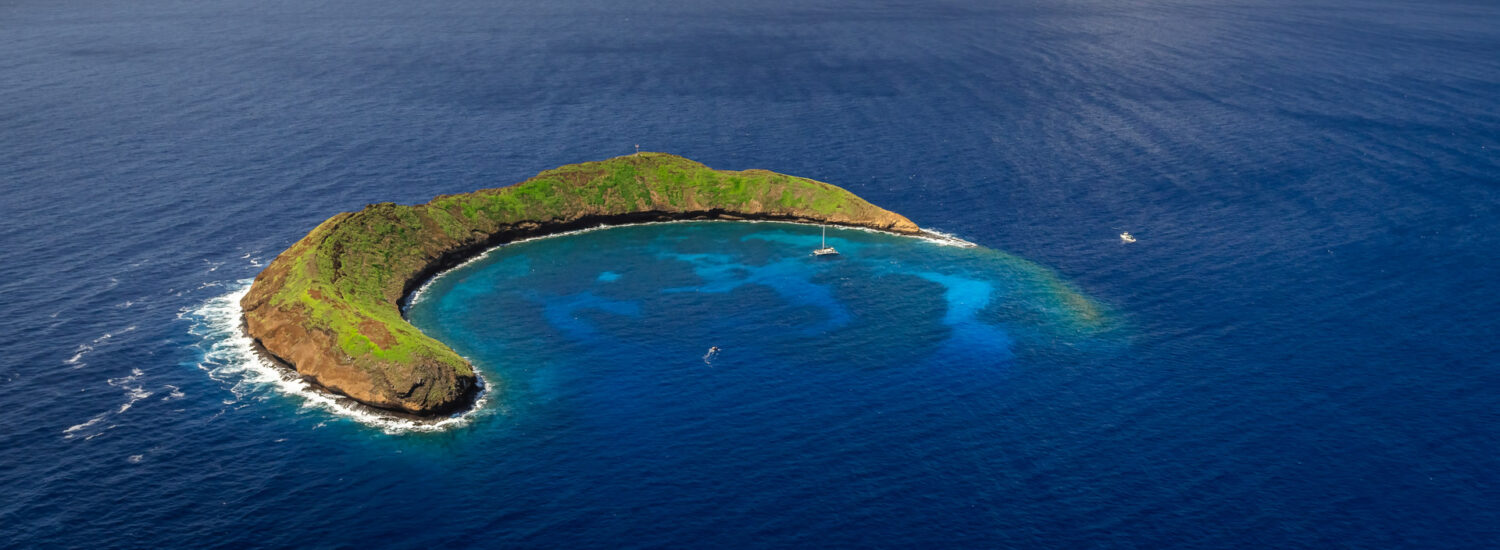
(825, 250)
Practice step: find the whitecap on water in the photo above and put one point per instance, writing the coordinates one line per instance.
(134, 392)
(945, 239)
(77, 429)
(76, 360)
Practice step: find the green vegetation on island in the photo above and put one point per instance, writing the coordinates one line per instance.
(329, 305)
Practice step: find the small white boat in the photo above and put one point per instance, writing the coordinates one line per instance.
(825, 250)
(1126, 237)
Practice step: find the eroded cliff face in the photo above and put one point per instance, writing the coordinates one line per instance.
(329, 305)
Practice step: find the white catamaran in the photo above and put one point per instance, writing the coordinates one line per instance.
(825, 250)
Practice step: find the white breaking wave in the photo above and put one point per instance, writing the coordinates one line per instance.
(945, 239)
(229, 357)
(134, 391)
(74, 431)
(76, 361)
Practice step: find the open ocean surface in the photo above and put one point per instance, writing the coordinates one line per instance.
(1302, 350)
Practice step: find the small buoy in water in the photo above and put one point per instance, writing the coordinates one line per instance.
(1126, 237)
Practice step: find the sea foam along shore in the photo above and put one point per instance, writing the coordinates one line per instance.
(229, 356)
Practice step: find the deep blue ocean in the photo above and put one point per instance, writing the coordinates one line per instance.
(1302, 350)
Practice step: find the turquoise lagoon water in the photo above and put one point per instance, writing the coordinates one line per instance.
(624, 318)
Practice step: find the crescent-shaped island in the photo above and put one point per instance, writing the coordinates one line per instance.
(330, 306)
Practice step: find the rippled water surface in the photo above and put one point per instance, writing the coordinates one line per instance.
(1299, 351)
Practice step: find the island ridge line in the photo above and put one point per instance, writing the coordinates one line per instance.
(330, 306)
